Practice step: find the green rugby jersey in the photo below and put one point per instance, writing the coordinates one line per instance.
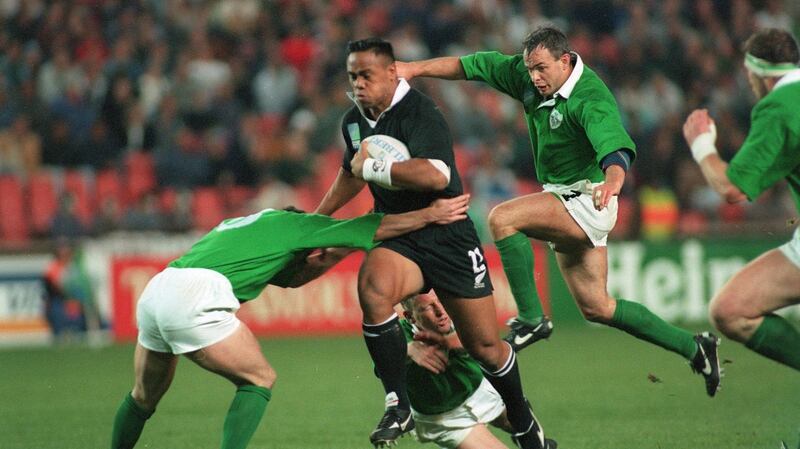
(432, 394)
(772, 148)
(571, 132)
(251, 251)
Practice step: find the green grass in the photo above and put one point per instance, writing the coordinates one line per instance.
(589, 387)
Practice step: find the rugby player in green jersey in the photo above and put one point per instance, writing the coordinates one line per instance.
(744, 308)
(190, 307)
(451, 400)
(582, 153)
(447, 259)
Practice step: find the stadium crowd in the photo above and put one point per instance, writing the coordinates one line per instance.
(151, 115)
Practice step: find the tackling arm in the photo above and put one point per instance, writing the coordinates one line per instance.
(448, 67)
(441, 211)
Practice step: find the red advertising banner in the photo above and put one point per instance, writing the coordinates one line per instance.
(328, 305)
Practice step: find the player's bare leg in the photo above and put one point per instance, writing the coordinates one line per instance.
(238, 358)
(585, 271)
(743, 308)
(541, 216)
(481, 438)
(475, 322)
(387, 277)
(153, 372)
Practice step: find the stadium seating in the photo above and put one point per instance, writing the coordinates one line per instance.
(13, 225)
(42, 200)
(207, 208)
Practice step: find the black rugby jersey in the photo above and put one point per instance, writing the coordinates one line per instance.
(416, 121)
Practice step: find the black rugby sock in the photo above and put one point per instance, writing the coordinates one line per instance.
(507, 382)
(387, 347)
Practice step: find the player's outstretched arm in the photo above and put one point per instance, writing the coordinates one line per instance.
(448, 67)
(700, 133)
(344, 188)
(441, 211)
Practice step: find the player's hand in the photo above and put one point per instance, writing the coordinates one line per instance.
(449, 210)
(698, 122)
(404, 70)
(602, 194)
(431, 357)
(357, 163)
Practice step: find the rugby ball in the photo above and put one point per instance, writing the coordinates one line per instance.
(381, 146)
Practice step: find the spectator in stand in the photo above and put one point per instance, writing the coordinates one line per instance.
(20, 149)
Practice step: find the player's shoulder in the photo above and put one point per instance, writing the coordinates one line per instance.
(352, 115)
(782, 96)
(419, 106)
(590, 84)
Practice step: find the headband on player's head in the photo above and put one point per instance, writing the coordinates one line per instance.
(764, 68)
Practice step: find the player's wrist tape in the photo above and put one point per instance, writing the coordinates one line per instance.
(377, 170)
(703, 145)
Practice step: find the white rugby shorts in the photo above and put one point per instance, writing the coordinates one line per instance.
(185, 309)
(791, 249)
(450, 429)
(577, 198)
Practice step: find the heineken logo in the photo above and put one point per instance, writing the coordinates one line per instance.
(555, 119)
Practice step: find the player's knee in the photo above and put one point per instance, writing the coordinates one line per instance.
(144, 399)
(499, 221)
(724, 314)
(262, 377)
(487, 353)
(374, 295)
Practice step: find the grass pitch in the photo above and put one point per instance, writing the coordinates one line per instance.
(591, 387)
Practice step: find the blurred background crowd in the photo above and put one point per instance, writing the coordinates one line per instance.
(153, 115)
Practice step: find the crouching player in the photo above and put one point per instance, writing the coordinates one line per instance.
(190, 307)
(451, 402)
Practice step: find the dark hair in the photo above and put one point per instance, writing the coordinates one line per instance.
(373, 44)
(294, 209)
(548, 37)
(773, 45)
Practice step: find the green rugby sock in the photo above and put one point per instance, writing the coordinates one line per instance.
(128, 424)
(517, 256)
(643, 324)
(777, 339)
(244, 415)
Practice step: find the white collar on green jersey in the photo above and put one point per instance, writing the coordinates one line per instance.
(566, 89)
(791, 77)
(569, 84)
(400, 92)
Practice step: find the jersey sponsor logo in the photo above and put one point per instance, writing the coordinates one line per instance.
(555, 119)
(478, 267)
(355, 135)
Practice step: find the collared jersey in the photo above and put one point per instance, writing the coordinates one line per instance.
(253, 251)
(415, 120)
(772, 148)
(572, 131)
(432, 394)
